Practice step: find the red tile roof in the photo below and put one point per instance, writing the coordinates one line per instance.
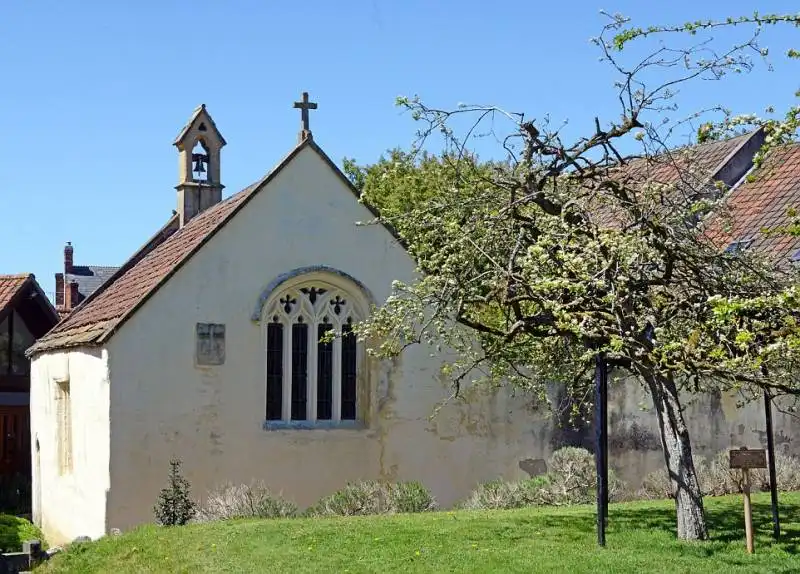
(707, 158)
(686, 170)
(10, 286)
(14, 288)
(98, 317)
(123, 294)
(762, 202)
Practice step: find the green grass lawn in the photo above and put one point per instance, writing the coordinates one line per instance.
(640, 539)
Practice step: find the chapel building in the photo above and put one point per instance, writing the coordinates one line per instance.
(205, 346)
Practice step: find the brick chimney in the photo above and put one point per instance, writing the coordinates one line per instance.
(70, 295)
(68, 258)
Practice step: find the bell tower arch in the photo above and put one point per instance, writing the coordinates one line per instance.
(199, 177)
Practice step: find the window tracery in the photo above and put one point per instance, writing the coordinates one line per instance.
(311, 376)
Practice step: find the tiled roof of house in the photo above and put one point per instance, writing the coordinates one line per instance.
(88, 323)
(666, 168)
(99, 316)
(685, 172)
(23, 285)
(89, 277)
(10, 286)
(760, 203)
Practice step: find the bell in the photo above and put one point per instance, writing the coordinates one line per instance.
(199, 163)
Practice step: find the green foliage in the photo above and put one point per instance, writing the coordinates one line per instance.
(253, 500)
(540, 540)
(373, 497)
(175, 506)
(408, 497)
(14, 531)
(627, 35)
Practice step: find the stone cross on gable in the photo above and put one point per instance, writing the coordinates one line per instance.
(305, 105)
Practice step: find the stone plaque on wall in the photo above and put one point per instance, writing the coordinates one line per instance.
(210, 344)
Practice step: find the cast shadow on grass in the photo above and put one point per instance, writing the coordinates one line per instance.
(726, 523)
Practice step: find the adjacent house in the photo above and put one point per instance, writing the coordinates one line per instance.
(77, 282)
(25, 315)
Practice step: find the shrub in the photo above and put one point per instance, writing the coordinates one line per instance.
(360, 498)
(787, 473)
(175, 506)
(408, 497)
(655, 485)
(501, 494)
(572, 479)
(14, 531)
(373, 497)
(254, 500)
(573, 476)
(717, 478)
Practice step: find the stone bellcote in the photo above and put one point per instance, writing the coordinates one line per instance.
(199, 183)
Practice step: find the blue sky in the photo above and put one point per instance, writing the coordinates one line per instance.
(93, 93)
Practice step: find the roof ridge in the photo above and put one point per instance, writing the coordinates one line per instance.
(16, 276)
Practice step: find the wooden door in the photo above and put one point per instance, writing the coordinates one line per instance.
(15, 440)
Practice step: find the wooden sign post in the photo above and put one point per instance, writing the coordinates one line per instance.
(746, 459)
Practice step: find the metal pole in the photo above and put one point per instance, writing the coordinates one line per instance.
(773, 486)
(605, 437)
(601, 444)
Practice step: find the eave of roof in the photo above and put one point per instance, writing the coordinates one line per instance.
(18, 285)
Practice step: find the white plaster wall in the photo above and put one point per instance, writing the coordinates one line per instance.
(72, 504)
(211, 417)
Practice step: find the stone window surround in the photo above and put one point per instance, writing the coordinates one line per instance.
(359, 297)
(63, 405)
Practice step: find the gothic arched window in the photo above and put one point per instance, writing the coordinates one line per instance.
(311, 377)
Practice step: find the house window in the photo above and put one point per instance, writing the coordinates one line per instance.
(64, 426)
(15, 338)
(738, 246)
(312, 354)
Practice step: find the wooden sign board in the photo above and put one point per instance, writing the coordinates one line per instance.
(746, 458)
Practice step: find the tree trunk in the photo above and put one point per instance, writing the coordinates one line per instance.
(678, 456)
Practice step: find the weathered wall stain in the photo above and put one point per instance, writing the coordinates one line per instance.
(386, 399)
(533, 466)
